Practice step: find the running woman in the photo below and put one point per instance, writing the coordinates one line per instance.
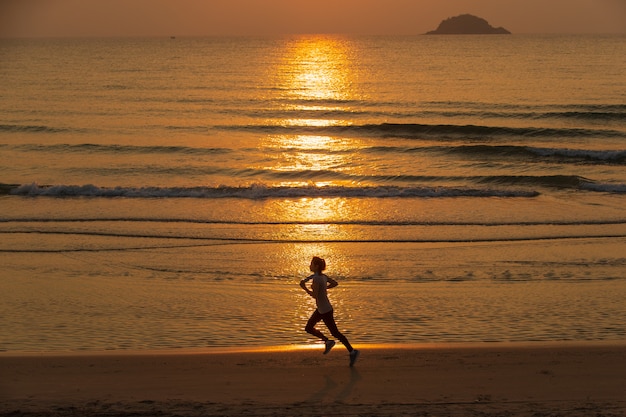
(324, 311)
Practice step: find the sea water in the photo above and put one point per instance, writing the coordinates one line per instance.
(169, 193)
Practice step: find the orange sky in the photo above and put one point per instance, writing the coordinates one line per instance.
(40, 18)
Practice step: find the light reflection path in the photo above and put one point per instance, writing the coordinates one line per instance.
(315, 76)
(317, 70)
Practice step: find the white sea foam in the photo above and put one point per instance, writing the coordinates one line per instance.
(261, 192)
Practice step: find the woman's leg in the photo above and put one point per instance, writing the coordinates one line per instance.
(329, 321)
(315, 318)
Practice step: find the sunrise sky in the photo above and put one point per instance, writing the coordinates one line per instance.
(43, 18)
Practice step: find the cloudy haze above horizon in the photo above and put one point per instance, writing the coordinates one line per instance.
(76, 18)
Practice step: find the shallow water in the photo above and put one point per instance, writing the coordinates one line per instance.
(216, 295)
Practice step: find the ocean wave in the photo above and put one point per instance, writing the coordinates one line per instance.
(210, 240)
(515, 152)
(121, 149)
(550, 181)
(255, 192)
(605, 187)
(505, 151)
(554, 181)
(31, 129)
(584, 114)
(581, 115)
(614, 156)
(292, 109)
(347, 222)
(489, 186)
(416, 130)
(587, 112)
(581, 107)
(582, 155)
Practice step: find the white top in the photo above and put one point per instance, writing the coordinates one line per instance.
(321, 296)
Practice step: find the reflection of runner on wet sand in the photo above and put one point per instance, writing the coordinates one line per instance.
(330, 385)
(324, 311)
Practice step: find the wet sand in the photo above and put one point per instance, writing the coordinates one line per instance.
(569, 379)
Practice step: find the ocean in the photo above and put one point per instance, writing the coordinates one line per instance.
(169, 193)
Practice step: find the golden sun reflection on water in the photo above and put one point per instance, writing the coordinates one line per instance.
(317, 68)
(308, 160)
(315, 219)
(316, 77)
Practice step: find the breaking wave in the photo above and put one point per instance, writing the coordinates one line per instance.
(255, 192)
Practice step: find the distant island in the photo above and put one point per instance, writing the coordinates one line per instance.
(467, 24)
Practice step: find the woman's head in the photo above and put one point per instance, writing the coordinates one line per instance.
(317, 264)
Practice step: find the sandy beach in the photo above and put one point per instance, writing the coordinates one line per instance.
(443, 380)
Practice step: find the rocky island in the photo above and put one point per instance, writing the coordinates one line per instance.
(467, 24)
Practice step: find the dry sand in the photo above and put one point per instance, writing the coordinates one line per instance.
(434, 380)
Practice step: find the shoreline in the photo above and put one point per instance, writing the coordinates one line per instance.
(571, 379)
(313, 346)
